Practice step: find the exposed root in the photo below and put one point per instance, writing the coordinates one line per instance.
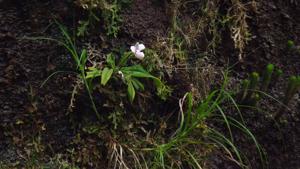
(123, 157)
(73, 96)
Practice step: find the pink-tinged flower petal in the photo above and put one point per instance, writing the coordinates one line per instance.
(133, 49)
(139, 55)
(141, 47)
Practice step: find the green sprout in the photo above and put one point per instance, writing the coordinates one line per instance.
(254, 79)
(266, 79)
(292, 89)
(244, 89)
(290, 44)
(293, 47)
(277, 74)
(254, 99)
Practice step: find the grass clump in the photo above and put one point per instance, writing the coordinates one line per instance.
(184, 136)
(191, 143)
(80, 60)
(193, 119)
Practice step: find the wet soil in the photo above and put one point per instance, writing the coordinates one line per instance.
(26, 109)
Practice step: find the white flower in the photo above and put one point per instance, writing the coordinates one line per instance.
(137, 50)
(121, 73)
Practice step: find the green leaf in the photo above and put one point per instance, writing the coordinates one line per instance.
(106, 75)
(137, 84)
(125, 57)
(111, 60)
(141, 75)
(134, 68)
(92, 73)
(203, 109)
(83, 58)
(131, 91)
(136, 71)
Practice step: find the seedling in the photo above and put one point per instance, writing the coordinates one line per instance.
(248, 87)
(254, 99)
(254, 79)
(292, 89)
(244, 89)
(291, 44)
(293, 47)
(293, 86)
(277, 74)
(267, 75)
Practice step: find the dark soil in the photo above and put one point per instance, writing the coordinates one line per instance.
(273, 25)
(27, 110)
(145, 20)
(25, 64)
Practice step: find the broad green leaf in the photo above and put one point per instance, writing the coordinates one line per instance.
(106, 75)
(92, 73)
(136, 71)
(138, 68)
(131, 91)
(139, 74)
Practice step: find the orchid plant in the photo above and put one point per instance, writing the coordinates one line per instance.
(129, 75)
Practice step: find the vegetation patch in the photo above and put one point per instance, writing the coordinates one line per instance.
(147, 84)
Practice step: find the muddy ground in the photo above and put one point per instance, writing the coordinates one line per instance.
(27, 110)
